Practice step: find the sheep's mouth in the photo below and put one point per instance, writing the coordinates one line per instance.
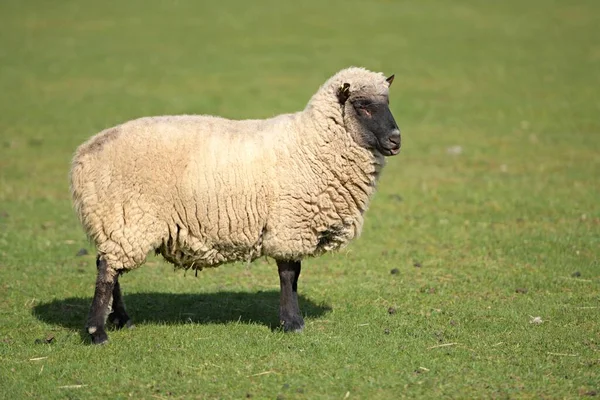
(390, 151)
(390, 145)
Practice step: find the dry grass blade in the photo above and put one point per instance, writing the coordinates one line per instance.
(262, 373)
(441, 345)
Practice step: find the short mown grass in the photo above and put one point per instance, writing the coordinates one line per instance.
(489, 218)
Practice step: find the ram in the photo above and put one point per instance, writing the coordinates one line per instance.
(204, 190)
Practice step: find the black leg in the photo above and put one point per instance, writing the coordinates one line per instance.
(289, 311)
(119, 316)
(101, 305)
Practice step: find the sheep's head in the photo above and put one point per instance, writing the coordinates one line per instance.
(367, 113)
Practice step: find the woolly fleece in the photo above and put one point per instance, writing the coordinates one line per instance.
(204, 190)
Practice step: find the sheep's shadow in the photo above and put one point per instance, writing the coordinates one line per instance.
(172, 308)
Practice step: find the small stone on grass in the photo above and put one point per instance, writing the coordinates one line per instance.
(454, 150)
(49, 339)
(536, 320)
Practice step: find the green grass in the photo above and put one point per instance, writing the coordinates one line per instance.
(498, 230)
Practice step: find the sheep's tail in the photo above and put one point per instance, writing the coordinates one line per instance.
(76, 185)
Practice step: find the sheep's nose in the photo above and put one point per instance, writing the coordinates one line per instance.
(395, 138)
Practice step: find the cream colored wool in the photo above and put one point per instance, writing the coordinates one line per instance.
(205, 190)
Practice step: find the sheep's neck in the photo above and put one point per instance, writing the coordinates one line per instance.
(351, 170)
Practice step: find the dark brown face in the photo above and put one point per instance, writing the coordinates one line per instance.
(379, 129)
(372, 119)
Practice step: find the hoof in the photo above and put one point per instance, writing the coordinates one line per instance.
(98, 335)
(292, 324)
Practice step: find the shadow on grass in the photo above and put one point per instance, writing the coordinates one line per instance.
(171, 308)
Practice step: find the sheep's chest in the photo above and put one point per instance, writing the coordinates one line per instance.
(334, 237)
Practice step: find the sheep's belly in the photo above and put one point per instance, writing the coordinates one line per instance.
(197, 255)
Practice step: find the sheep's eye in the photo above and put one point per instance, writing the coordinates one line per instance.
(365, 107)
(365, 111)
(362, 104)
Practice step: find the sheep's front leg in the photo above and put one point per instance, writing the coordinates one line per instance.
(289, 311)
(102, 303)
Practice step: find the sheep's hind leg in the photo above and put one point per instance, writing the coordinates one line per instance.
(101, 305)
(289, 311)
(119, 316)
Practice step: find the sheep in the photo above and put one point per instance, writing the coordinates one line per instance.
(204, 190)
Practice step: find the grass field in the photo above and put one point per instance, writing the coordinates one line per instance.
(490, 215)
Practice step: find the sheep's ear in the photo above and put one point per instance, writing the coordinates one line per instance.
(390, 80)
(343, 93)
